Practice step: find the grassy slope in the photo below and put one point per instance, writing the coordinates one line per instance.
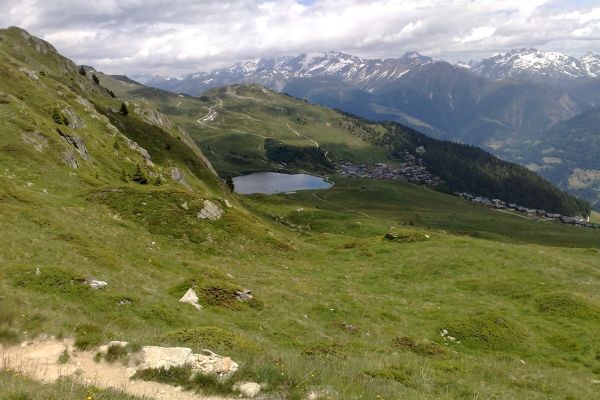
(247, 115)
(314, 271)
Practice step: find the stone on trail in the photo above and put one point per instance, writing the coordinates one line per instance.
(248, 389)
(165, 357)
(191, 297)
(390, 236)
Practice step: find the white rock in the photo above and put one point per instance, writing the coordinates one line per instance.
(129, 372)
(210, 211)
(248, 389)
(228, 204)
(37, 271)
(167, 357)
(191, 297)
(95, 284)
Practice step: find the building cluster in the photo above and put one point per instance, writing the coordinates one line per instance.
(533, 213)
(411, 170)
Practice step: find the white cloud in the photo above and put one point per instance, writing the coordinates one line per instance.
(181, 36)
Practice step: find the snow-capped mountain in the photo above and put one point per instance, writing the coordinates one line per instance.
(547, 67)
(366, 74)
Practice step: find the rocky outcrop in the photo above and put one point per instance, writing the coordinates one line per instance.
(210, 211)
(134, 146)
(177, 175)
(29, 73)
(77, 142)
(153, 116)
(75, 122)
(36, 140)
(85, 103)
(70, 159)
(167, 357)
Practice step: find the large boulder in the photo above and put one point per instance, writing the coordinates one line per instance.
(210, 211)
(191, 297)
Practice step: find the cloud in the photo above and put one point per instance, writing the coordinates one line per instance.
(180, 36)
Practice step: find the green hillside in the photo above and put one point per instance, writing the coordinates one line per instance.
(339, 310)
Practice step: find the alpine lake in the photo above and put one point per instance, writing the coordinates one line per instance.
(274, 182)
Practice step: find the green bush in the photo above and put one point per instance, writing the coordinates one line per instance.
(325, 349)
(158, 312)
(88, 336)
(563, 342)
(389, 374)
(488, 331)
(566, 305)
(212, 337)
(115, 352)
(210, 292)
(425, 349)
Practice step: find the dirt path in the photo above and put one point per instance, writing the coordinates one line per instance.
(39, 359)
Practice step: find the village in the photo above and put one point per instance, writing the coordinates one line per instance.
(536, 215)
(411, 170)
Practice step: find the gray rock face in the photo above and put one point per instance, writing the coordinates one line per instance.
(248, 389)
(36, 140)
(77, 142)
(153, 116)
(85, 103)
(75, 122)
(134, 146)
(29, 73)
(70, 159)
(191, 298)
(210, 211)
(177, 175)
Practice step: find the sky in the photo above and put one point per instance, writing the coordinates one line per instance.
(175, 37)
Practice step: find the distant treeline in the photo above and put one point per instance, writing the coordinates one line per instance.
(303, 157)
(466, 168)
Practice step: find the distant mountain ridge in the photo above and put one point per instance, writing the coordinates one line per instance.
(553, 68)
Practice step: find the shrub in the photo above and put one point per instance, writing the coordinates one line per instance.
(123, 110)
(212, 337)
(115, 352)
(566, 305)
(389, 374)
(410, 344)
(160, 313)
(88, 336)
(563, 342)
(487, 331)
(210, 292)
(324, 349)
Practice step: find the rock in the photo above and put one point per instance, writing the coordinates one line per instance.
(75, 122)
(177, 175)
(129, 372)
(300, 210)
(134, 146)
(165, 357)
(96, 284)
(499, 321)
(248, 389)
(70, 159)
(37, 271)
(85, 103)
(210, 211)
(77, 142)
(595, 381)
(390, 236)
(29, 73)
(153, 116)
(243, 295)
(191, 297)
(36, 140)
(228, 204)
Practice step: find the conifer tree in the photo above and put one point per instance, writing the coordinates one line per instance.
(229, 182)
(140, 176)
(82, 71)
(95, 79)
(123, 110)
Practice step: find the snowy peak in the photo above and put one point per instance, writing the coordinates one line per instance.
(413, 55)
(591, 63)
(537, 65)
